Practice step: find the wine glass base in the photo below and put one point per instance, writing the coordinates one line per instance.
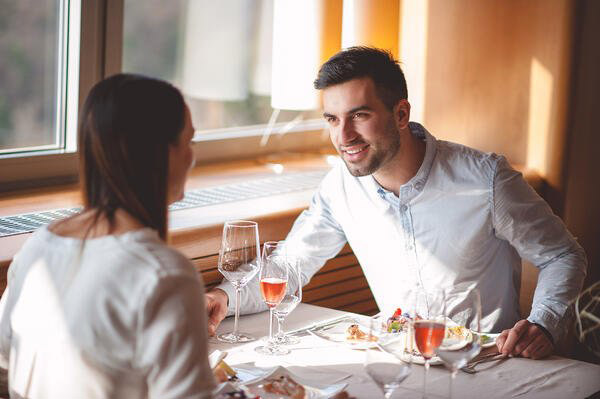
(288, 340)
(235, 338)
(271, 350)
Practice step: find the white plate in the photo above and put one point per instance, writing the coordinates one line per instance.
(492, 341)
(418, 359)
(314, 390)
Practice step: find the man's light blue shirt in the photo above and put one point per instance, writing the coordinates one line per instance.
(464, 220)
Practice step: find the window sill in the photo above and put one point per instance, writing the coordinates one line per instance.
(195, 231)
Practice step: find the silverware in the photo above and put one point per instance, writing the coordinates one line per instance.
(321, 324)
(470, 367)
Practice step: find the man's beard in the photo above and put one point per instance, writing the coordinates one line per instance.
(378, 155)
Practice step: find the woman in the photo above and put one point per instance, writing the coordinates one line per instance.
(97, 305)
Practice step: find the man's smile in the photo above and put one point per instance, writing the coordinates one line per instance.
(354, 150)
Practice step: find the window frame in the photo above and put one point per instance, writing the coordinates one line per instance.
(100, 55)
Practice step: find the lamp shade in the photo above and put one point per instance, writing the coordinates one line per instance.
(215, 55)
(260, 78)
(305, 34)
(371, 23)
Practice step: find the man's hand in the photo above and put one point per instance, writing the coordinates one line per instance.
(524, 339)
(216, 308)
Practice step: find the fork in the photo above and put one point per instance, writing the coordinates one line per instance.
(470, 368)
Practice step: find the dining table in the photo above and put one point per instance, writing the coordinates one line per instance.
(326, 362)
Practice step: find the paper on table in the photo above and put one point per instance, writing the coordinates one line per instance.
(321, 374)
(315, 387)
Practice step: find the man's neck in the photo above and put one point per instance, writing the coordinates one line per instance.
(404, 166)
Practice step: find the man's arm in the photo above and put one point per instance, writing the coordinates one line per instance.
(314, 238)
(525, 220)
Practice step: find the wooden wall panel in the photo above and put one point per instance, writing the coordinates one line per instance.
(493, 75)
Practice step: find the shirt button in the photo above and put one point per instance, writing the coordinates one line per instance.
(409, 248)
(418, 185)
(403, 208)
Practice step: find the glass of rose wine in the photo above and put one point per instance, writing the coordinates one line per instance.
(273, 282)
(429, 325)
(239, 261)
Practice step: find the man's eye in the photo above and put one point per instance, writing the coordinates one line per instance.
(359, 115)
(330, 119)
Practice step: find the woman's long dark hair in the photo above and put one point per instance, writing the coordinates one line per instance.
(125, 128)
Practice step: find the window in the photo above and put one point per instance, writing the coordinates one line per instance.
(37, 75)
(218, 53)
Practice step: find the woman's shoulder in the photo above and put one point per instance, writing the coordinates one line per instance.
(161, 258)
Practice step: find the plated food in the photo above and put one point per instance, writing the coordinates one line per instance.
(223, 372)
(355, 334)
(285, 386)
(254, 382)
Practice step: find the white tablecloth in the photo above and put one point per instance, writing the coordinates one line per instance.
(550, 378)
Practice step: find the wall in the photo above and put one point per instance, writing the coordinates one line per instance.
(492, 75)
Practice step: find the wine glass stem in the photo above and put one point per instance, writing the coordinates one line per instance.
(271, 325)
(425, 378)
(238, 294)
(279, 330)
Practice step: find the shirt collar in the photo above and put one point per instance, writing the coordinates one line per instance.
(416, 184)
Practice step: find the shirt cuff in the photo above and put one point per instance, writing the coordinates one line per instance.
(549, 323)
(230, 291)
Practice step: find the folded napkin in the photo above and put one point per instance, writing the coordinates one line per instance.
(321, 374)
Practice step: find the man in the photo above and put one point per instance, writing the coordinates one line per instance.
(420, 212)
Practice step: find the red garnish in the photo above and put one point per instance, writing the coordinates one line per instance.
(397, 313)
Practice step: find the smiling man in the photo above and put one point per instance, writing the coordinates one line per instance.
(424, 213)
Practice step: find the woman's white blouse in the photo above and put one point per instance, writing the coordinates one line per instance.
(119, 317)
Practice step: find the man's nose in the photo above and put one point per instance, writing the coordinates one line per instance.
(347, 132)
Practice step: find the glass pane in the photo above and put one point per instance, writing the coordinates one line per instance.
(29, 50)
(217, 52)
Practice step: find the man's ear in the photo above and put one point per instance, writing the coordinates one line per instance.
(402, 113)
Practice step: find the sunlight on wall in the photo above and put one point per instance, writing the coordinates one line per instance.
(413, 53)
(371, 23)
(305, 34)
(540, 106)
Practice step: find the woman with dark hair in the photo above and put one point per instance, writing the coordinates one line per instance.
(97, 305)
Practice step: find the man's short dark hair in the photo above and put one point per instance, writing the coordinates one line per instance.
(359, 62)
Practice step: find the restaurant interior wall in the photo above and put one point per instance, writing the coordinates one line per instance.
(493, 75)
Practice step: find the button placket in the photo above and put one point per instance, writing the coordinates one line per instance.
(403, 212)
(409, 236)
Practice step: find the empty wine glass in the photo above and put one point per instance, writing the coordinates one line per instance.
(291, 299)
(273, 280)
(463, 309)
(429, 325)
(239, 261)
(386, 361)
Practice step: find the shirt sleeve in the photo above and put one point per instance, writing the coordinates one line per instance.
(172, 345)
(524, 219)
(5, 314)
(4, 330)
(314, 238)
